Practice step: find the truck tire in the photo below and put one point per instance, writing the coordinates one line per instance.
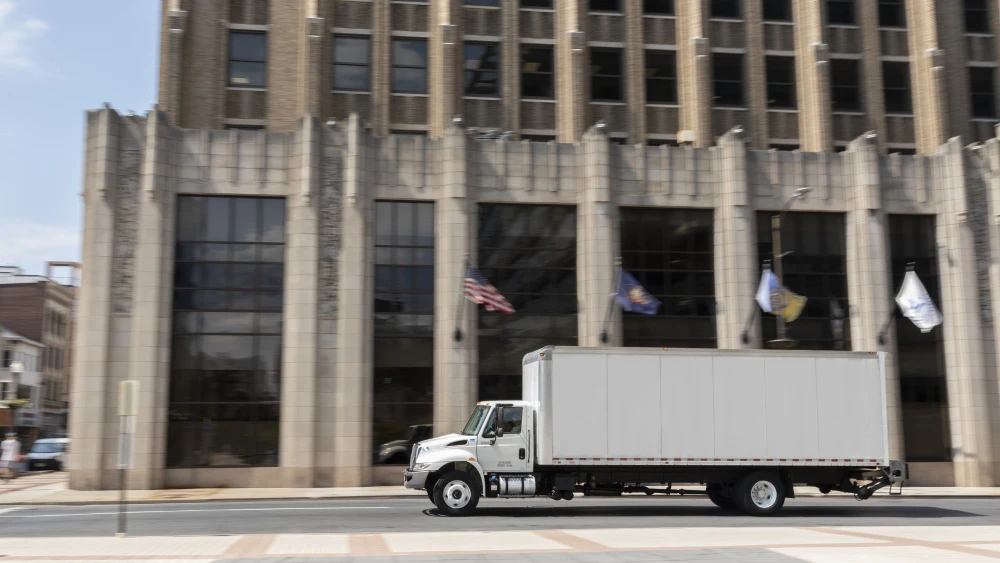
(456, 494)
(760, 493)
(718, 499)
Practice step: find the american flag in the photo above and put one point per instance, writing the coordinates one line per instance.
(480, 290)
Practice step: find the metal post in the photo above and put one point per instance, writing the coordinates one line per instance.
(776, 253)
(122, 447)
(128, 409)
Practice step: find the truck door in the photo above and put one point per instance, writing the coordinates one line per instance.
(508, 453)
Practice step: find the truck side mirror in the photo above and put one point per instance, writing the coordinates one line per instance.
(499, 422)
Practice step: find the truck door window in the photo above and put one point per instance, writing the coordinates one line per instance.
(512, 420)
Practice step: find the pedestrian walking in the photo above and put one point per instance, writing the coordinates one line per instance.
(10, 456)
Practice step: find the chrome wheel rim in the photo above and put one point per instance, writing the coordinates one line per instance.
(457, 494)
(763, 494)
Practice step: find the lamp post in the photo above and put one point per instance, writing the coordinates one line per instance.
(782, 341)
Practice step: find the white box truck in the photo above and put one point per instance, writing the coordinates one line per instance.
(747, 424)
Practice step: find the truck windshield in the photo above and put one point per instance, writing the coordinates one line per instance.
(475, 420)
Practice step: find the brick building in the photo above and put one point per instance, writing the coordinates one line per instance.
(42, 309)
(288, 292)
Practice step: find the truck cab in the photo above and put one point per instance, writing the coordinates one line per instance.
(497, 440)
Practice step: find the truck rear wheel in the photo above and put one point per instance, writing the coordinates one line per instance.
(718, 499)
(760, 493)
(455, 494)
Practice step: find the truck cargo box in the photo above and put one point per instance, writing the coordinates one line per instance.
(651, 406)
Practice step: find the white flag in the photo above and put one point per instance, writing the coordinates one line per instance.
(768, 285)
(916, 304)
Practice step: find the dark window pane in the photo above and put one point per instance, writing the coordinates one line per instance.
(249, 75)
(977, 18)
(482, 2)
(606, 74)
(409, 53)
(603, 5)
(189, 218)
(537, 72)
(661, 77)
(227, 323)
(354, 50)
(891, 13)
(245, 220)
(982, 91)
(896, 77)
(546, 4)
(270, 276)
(269, 300)
(726, 9)
(272, 220)
(481, 64)
(840, 12)
(215, 275)
(781, 82)
(727, 74)
(248, 46)
(269, 323)
(658, 7)
(221, 252)
(350, 78)
(778, 10)
(242, 300)
(409, 80)
(846, 85)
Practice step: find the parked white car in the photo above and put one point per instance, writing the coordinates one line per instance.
(49, 453)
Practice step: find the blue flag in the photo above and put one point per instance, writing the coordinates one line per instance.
(634, 297)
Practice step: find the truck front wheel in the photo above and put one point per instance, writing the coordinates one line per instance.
(455, 494)
(760, 493)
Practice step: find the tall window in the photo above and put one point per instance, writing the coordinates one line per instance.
(846, 84)
(921, 359)
(537, 72)
(247, 59)
(891, 13)
(982, 90)
(482, 69)
(840, 12)
(816, 268)
(604, 6)
(404, 327)
(896, 81)
(225, 370)
(482, 2)
(528, 252)
(670, 252)
(352, 63)
(409, 66)
(658, 7)
(977, 17)
(778, 10)
(544, 4)
(726, 9)
(727, 75)
(661, 77)
(606, 75)
(781, 82)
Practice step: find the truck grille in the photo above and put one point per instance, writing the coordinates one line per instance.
(413, 455)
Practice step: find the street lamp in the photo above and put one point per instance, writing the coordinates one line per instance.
(782, 341)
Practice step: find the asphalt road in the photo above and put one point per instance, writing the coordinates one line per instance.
(416, 515)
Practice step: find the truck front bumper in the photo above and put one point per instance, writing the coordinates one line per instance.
(415, 479)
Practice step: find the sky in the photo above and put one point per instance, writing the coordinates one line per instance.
(59, 58)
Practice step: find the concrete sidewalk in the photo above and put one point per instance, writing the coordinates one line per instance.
(52, 489)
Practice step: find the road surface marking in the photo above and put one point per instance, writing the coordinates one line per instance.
(473, 542)
(653, 538)
(310, 544)
(137, 512)
(877, 554)
(12, 509)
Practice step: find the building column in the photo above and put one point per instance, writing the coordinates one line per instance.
(873, 96)
(869, 279)
(735, 248)
(150, 335)
(312, 57)
(299, 343)
(756, 76)
(635, 71)
(968, 410)
(355, 310)
(694, 66)
(992, 177)
(381, 63)
(90, 356)
(510, 61)
(173, 60)
(444, 56)
(813, 77)
(927, 76)
(572, 71)
(455, 355)
(597, 244)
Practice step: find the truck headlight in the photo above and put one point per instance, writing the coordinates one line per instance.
(422, 466)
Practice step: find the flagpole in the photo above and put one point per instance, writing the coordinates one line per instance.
(611, 300)
(745, 334)
(461, 305)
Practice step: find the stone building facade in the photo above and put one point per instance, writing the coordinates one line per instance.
(319, 198)
(808, 74)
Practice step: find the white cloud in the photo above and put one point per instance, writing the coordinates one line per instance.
(16, 36)
(30, 244)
